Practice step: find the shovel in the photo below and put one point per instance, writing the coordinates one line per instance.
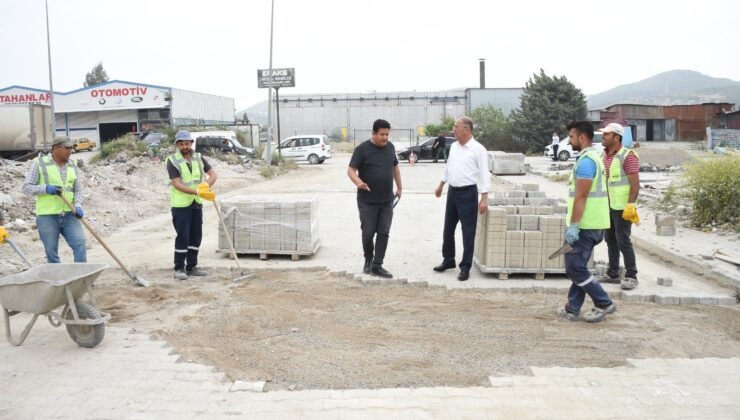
(19, 252)
(135, 277)
(242, 276)
(561, 251)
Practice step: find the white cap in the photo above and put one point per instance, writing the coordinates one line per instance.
(613, 128)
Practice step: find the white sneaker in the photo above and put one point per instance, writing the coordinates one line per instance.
(180, 275)
(598, 314)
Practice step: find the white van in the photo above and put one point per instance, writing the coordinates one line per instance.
(314, 149)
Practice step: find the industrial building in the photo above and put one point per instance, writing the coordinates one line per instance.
(351, 115)
(108, 110)
(664, 122)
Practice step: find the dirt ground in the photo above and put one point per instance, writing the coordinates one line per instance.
(301, 329)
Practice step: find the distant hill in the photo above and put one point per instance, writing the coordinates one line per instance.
(256, 113)
(670, 88)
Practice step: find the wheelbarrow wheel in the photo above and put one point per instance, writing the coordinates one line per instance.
(87, 336)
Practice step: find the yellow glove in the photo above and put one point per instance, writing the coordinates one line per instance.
(3, 235)
(630, 213)
(204, 192)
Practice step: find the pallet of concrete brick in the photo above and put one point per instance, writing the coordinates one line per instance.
(502, 163)
(518, 239)
(270, 225)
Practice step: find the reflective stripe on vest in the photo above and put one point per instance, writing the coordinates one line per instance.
(190, 178)
(596, 213)
(49, 174)
(618, 184)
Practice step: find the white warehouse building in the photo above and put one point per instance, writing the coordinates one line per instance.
(108, 110)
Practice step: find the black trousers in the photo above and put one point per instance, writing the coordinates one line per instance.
(188, 222)
(375, 222)
(555, 148)
(462, 206)
(618, 241)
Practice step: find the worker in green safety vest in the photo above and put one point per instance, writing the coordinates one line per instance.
(623, 183)
(587, 217)
(48, 177)
(191, 178)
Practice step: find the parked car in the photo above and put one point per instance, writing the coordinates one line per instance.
(84, 144)
(221, 144)
(424, 150)
(566, 152)
(314, 149)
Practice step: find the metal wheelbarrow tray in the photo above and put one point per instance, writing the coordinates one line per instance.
(46, 287)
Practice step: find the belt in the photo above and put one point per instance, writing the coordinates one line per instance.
(465, 188)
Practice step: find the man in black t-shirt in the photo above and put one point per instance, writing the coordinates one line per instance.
(439, 147)
(373, 168)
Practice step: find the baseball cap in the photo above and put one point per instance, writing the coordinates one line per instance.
(183, 135)
(613, 128)
(64, 141)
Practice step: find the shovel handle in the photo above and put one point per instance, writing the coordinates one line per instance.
(102, 242)
(226, 232)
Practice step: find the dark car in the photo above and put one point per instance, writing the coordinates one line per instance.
(424, 151)
(222, 145)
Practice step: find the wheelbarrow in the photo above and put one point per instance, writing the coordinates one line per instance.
(46, 287)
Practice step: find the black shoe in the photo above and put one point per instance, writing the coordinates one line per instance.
(366, 267)
(464, 275)
(444, 266)
(196, 272)
(381, 272)
(435, 161)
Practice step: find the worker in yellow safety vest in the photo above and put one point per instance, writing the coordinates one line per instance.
(191, 178)
(48, 177)
(587, 217)
(623, 183)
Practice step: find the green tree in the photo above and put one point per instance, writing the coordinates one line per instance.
(548, 105)
(493, 129)
(444, 127)
(96, 75)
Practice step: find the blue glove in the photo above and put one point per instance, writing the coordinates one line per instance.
(571, 235)
(78, 212)
(53, 189)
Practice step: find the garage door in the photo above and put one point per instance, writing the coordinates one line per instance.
(120, 116)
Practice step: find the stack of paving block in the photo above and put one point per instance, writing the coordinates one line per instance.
(502, 163)
(665, 225)
(275, 225)
(519, 231)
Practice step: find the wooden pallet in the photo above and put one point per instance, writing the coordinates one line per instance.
(265, 254)
(503, 273)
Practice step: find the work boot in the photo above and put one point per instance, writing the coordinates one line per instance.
(629, 283)
(563, 313)
(196, 272)
(380, 272)
(606, 278)
(180, 275)
(598, 314)
(366, 267)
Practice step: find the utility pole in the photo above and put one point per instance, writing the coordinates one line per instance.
(51, 83)
(268, 148)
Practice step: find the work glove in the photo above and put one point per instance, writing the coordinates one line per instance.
(630, 213)
(3, 235)
(53, 190)
(78, 212)
(204, 192)
(571, 235)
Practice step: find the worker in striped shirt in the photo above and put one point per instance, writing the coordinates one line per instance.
(623, 184)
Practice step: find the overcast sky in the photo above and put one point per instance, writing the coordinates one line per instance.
(337, 46)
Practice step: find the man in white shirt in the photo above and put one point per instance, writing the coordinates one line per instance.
(555, 145)
(466, 164)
